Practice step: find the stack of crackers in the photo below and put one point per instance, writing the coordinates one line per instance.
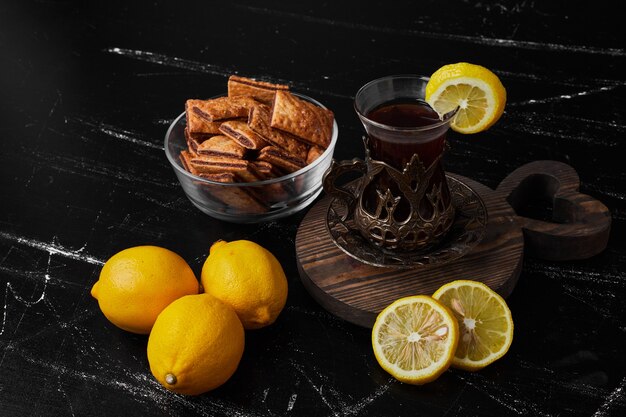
(258, 132)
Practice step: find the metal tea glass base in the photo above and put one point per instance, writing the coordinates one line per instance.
(467, 230)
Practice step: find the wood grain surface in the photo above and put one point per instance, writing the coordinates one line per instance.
(579, 225)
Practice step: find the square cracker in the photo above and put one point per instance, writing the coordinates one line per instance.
(278, 158)
(266, 170)
(185, 159)
(311, 123)
(244, 171)
(198, 124)
(221, 145)
(241, 133)
(259, 90)
(221, 108)
(259, 120)
(314, 153)
(215, 164)
(195, 139)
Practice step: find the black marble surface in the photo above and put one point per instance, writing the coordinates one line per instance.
(87, 92)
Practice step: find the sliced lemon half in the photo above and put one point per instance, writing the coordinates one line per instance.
(414, 339)
(485, 323)
(474, 89)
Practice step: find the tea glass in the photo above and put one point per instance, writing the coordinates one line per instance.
(401, 201)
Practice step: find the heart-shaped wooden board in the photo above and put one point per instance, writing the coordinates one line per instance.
(578, 228)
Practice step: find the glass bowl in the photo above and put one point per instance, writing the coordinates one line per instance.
(249, 202)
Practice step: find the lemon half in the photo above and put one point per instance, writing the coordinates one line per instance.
(414, 339)
(474, 89)
(485, 323)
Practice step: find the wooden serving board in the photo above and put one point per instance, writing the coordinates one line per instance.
(357, 292)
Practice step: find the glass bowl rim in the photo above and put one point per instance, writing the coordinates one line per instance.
(301, 171)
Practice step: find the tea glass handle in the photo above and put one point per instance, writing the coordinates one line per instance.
(344, 194)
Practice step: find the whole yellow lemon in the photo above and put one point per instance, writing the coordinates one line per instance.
(248, 278)
(195, 345)
(136, 284)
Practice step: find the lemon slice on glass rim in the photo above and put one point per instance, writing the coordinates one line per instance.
(414, 339)
(485, 323)
(474, 89)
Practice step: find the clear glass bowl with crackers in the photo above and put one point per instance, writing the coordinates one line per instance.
(256, 154)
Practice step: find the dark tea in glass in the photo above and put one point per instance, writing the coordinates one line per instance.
(407, 113)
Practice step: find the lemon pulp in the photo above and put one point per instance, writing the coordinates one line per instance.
(485, 323)
(414, 339)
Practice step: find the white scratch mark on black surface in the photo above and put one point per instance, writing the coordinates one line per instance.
(616, 396)
(16, 296)
(477, 40)
(80, 335)
(562, 97)
(161, 59)
(171, 61)
(68, 135)
(118, 133)
(292, 401)
(589, 297)
(571, 81)
(73, 324)
(50, 113)
(145, 389)
(533, 366)
(510, 401)
(178, 204)
(563, 272)
(603, 190)
(567, 128)
(138, 391)
(34, 275)
(125, 136)
(90, 168)
(618, 214)
(334, 400)
(63, 393)
(265, 392)
(53, 248)
(163, 121)
(356, 408)
(161, 74)
(264, 395)
(319, 388)
(580, 358)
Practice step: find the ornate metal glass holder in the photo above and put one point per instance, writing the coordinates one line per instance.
(429, 216)
(395, 210)
(467, 230)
